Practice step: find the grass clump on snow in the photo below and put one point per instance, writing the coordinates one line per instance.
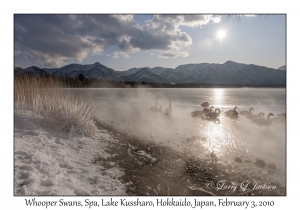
(48, 97)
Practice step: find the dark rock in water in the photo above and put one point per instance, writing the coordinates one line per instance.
(205, 104)
(260, 163)
(248, 161)
(270, 171)
(193, 139)
(237, 159)
(272, 166)
(213, 155)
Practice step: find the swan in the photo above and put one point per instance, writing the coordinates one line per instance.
(211, 109)
(160, 110)
(254, 116)
(169, 110)
(199, 113)
(154, 108)
(213, 115)
(245, 113)
(263, 121)
(205, 104)
(232, 113)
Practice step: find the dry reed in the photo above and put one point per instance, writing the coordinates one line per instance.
(48, 97)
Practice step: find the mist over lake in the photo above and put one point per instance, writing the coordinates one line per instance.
(128, 110)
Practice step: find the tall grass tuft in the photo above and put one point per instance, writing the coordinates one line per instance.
(49, 98)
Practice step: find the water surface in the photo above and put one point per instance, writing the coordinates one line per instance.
(129, 111)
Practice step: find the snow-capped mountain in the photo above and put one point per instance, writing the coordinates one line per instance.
(71, 68)
(101, 71)
(33, 70)
(212, 73)
(227, 73)
(95, 70)
(159, 70)
(171, 76)
(128, 72)
(189, 69)
(282, 68)
(252, 74)
(144, 75)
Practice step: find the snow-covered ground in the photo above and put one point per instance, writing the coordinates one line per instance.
(51, 162)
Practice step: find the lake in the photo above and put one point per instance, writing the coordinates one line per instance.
(128, 110)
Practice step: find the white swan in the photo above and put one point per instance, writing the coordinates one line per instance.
(160, 110)
(169, 110)
(213, 115)
(232, 113)
(263, 121)
(154, 108)
(245, 113)
(200, 113)
(211, 109)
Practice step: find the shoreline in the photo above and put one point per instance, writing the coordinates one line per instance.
(173, 173)
(112, 163)
(51, 162)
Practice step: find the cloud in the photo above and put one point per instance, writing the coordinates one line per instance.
(116, 55)
(216, 19)
(50, 40)
(171, 23)
(126, 46)
(172, 54)
(163, 33)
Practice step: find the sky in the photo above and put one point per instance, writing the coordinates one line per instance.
(125, 41)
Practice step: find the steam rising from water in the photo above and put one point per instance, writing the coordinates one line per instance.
(129, 111)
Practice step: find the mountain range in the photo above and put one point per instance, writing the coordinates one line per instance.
(282, 67)
(229, 72)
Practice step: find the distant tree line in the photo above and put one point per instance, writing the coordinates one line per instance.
(82, 82)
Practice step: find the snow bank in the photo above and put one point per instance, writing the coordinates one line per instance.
(51, 162)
